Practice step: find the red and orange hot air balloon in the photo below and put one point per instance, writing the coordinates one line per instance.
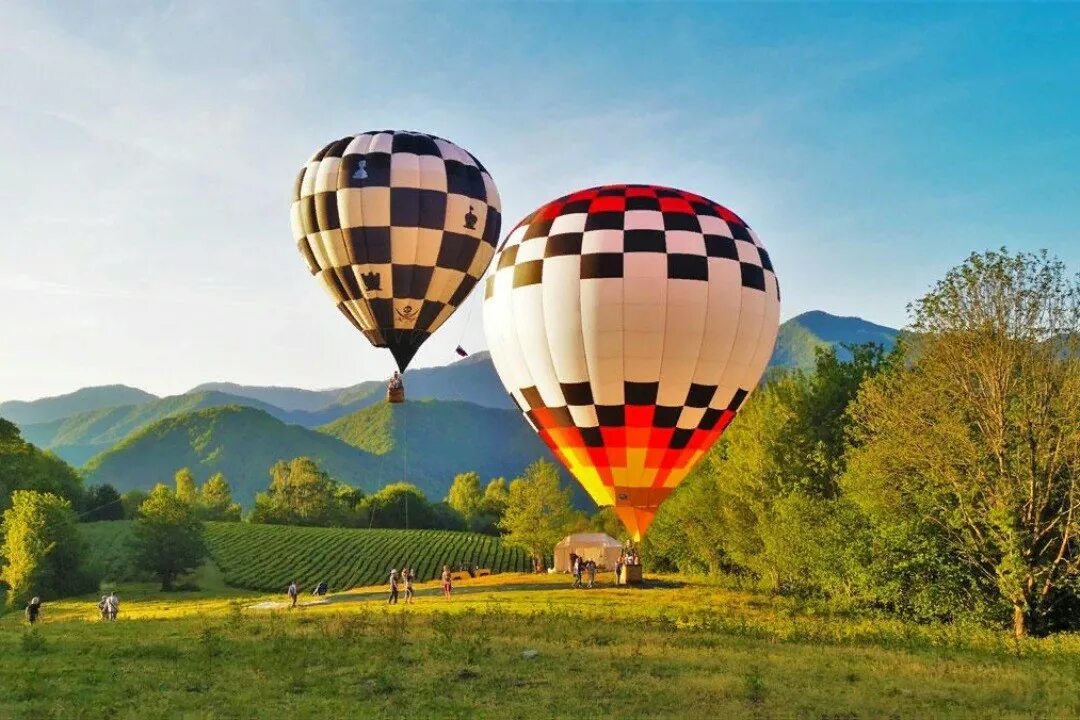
(629, 323)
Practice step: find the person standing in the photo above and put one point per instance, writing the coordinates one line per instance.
(576, 570)
(293, 593)
(112, 606)
(33, 609)
(447, 586)
(409, 574)
(618, 568)
(103, 607)
(590, 567)
(392, 600)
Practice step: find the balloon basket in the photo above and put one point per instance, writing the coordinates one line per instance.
(395, 395)
(629, 575)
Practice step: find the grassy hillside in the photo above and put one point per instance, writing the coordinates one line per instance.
(78, 438)
(267, 557)
(801, 336)
(241, 442)
(61, 406)
(524, 647)
(438, 439)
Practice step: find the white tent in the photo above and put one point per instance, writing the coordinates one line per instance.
(601, 548)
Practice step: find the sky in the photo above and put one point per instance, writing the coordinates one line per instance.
(150, 149)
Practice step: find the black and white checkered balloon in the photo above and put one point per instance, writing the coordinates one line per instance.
(399, 227)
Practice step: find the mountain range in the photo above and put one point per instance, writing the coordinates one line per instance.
(458, 418)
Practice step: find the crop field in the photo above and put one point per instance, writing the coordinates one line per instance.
(268, 557)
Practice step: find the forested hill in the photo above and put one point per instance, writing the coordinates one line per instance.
(802, 335)
(61, 406)
(427, 444)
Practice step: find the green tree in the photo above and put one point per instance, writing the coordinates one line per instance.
(466, 497)
(216, 502)
(42, 552)
(168, 537)
(131, 500)
(25, 467)
(496, 497)
(606, 521)
(976, 437)
(103, 503)
(538, 513)
(300, 493)
(399, 505)
(186, 489)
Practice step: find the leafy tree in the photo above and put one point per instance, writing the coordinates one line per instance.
(300, 493)
(606, 521)
(25, 467)
(131, 500)
(42, 552)
(215, 500)
(168, 537)
(538, 514)
(976, 437)
(186, 489)
(465, 496)
(496, 497)
(399, 505)
(103, 503)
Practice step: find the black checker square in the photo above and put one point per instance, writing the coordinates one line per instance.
(383, 311)
(739, 232)
(414, 143)
(710, 418)
(326, 211)
(611, 415)
(493, 226)
(369, 245)
(766, 261)
(411, 281)
(752, 276)
(560, 416)
(576, 206)
(737, 400)
(642, 203)
(605, 221)
(457, 251)
(532, 397)
(640, 393)
(508, 257)
(467, 180)
(309, 219)
(540, 228)
(683, 266)
(568, 243)
(666, 417)
(412, 207)
(592, 437)
(577, 394)
(680, 438)
(681, 221)
(700, 396)
(530, 272)
(644, 241)
(429, 311)
(463, 289)
(718, 246)
(375, 170)
(601, 265)
(345, 280)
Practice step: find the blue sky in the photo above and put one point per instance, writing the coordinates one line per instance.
(150, 149)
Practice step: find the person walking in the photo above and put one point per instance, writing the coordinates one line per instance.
(618, 568)
(576, 570)
(392, 600)
(447, 585)
(33, 609)
(293, 593)
(103, 607)
(590, 567)
(409, 574)
(112, 606)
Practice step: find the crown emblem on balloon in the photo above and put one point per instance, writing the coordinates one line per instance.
(372, 281)
(470, 219)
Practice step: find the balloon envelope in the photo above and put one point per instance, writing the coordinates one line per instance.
(398, 227)
(629, 323)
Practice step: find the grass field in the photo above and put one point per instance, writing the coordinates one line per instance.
(518, 646)
(268, 557)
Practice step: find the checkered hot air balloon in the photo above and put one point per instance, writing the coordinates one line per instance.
(398, 227)
(629, 323)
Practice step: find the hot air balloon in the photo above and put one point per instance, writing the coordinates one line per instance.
(398, 227)
(629, 323)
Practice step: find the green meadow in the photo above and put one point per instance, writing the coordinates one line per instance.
(518, 646)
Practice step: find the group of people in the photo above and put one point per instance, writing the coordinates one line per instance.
(294, 591)
(109, 606)
(406, 577)
(580, 566)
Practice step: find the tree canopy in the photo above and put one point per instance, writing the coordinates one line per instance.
(538, 512)
(168, 537)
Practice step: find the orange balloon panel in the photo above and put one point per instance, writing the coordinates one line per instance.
(629, 323)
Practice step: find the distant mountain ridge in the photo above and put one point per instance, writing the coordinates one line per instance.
(43, 410)
(802, 335)
(425, 443)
